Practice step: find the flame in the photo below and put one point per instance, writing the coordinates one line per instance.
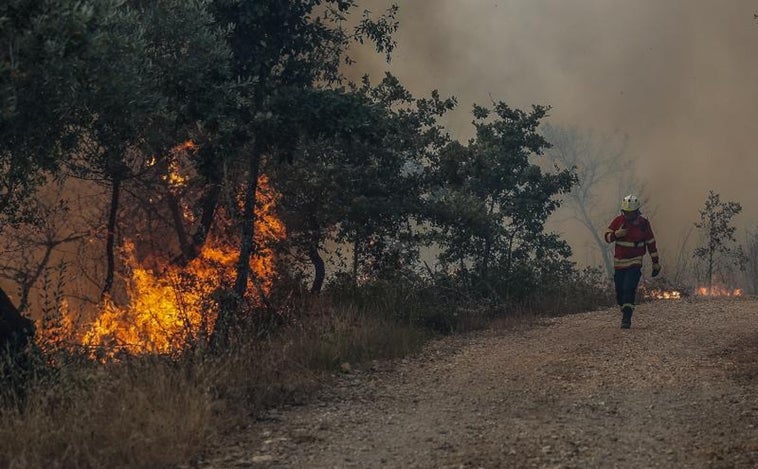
(170, 306)
(165, 308)
(186, 146)
(718, 290)
(175, 179)
(664, 294)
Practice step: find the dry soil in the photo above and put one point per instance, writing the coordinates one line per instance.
(679, 389)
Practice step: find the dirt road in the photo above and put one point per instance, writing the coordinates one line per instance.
(680, 389)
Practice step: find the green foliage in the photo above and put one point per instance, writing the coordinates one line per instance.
(282, 51)
(718, 251)
(115, 85)
(362, 185)
(189, 68)
(115, 101)
(46, 50)
(489, 202)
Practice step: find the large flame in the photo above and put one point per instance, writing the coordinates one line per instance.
(169, 306)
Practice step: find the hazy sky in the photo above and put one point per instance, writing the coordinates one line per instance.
(679, 77)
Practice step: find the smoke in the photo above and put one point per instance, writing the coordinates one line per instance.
(678, 77)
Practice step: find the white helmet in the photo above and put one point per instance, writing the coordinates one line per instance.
(630, 203)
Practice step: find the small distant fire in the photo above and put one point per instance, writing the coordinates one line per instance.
(718, 290)
(659, 294)
(175, 176)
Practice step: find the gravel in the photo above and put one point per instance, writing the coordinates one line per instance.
(676, 390)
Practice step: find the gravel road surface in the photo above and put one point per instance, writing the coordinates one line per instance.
(679, 389)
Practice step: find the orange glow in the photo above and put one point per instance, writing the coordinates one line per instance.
(664, 294)
(168, 306)
(175, 179)
(165, 309)
(56, 330)
(186, 146)
(718, 290)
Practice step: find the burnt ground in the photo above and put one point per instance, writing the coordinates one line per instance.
(680, 389)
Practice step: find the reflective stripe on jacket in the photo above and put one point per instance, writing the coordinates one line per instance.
(631, 248)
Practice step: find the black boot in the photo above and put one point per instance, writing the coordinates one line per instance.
(626, 318)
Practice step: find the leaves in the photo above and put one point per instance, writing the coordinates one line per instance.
(490, 200)
(718, 250)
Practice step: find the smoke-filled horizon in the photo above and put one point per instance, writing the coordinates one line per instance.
(679, 78)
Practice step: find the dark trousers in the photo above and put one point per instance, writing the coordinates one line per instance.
(626, 281)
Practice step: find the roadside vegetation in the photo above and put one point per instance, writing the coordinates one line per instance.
(159, 411)
(205, 218)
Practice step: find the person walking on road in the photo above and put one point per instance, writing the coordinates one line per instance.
(633, 236)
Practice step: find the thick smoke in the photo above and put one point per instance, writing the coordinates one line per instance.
(678, 77)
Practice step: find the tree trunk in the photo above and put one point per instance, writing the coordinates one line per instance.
(486, 258)
(247, 225)
(508, 265)
(319, 271)
(228, 309)
(110, 239)
(710, 271)
(209, 204)
(192, 247)
(356, 258)
(177, 217)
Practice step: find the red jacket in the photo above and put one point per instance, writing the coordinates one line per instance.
(631, 248)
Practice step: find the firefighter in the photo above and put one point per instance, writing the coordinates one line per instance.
(633, 236)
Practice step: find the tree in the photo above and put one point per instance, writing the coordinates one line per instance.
(718, 251)
(284, 52)
(490, 201)
(601, 168)
(751, 260)
(385, 180)
(116, 102)
(363, 187)
(190, 69)
(167, 83)
(47, 51)
(46, 48)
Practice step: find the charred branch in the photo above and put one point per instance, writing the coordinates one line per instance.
(319, 271)
(110, 240)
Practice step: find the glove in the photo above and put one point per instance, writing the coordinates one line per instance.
(656, 270)
(620, 233)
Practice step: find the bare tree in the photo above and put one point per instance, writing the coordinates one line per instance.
(751, 260)
(681, 265)
(27, 250)
(605, 175)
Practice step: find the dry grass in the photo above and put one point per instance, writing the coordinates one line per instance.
(160, 412)
(154, 412)
(289, 365)
(146, 413)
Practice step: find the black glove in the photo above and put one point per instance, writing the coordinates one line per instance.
(656, 270)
